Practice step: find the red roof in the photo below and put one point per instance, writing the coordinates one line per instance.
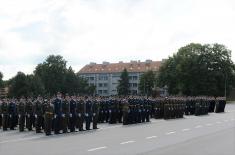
(132, 66)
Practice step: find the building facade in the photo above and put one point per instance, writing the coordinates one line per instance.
(105, 76)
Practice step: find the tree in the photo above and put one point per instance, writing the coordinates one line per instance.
(19, 85)
(25, 85)
(1, 81)
(147, 83)
(198, 70)
(52, 72)
(123, 85)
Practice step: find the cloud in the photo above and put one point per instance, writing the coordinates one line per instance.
(107, 30)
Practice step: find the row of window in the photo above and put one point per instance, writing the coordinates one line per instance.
(100, 92)
(104, 78)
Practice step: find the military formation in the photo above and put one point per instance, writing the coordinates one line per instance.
(63, 114)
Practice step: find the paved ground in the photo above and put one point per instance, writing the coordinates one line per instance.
(211, 134)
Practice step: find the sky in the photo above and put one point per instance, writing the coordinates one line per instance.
(85, 31)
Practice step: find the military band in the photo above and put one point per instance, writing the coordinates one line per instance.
(69, 114)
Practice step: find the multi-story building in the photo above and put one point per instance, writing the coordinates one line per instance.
(105, 76)
(3, 92)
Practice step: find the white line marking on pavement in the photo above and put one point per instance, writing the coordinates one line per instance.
(209, 124)
(20, 139)
(151, 137)
(127, 142)
(98, 148)
(218, 122)
(198, 126)
(169, 133)
(187, 129)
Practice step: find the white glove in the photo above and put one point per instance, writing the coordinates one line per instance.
(28, 115)
(86, 114)
(70, 115)
(63, 115)
(19, 115)
(110, 111)
(55, 116)
(93, 114)
(79, 115)
(10, 116)
(36, 116)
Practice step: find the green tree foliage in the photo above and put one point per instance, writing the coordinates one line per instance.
(198, 70)
(49, 77)
(1, 81)
(52, 72)
(123, 85)
(147, 83)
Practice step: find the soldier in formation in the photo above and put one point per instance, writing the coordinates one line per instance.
(69, 114)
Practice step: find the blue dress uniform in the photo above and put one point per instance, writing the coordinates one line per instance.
(80, 110)
(12, 115)
(4, 112)
(95, 115)
(72, 115)
(58, 114)
(88, 113)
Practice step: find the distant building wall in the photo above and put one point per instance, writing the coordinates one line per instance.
(105, 76)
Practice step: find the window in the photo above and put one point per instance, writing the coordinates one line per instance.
(99, 91)
(134, 85)
(92, 78)
(100, 85)
(105, 85)
(105, 91)
(135, 77)
(103, 77)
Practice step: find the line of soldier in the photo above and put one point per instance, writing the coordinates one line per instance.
(69, 113)
(59, 114)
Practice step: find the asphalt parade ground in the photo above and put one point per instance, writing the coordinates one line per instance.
(192, 135)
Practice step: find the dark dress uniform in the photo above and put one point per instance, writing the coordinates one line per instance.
(4, 112)
(48, 117)
(88, 113)
(57, 115)
(29, 115)
(38, 112)
(12, 115)
(21, 113)
(72, 115)
(65, 115)
(95, 115)
(80, 113)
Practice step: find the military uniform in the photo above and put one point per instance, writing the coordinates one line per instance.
(4, 112)
(95, 111)
(72, 115)
(12, 115)
(21, 114)
(65, 115)
(29, 115)
(57, 114)
(48, 118)
(126, 111)
(80, 114)
(88, 113)
(38, 112)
